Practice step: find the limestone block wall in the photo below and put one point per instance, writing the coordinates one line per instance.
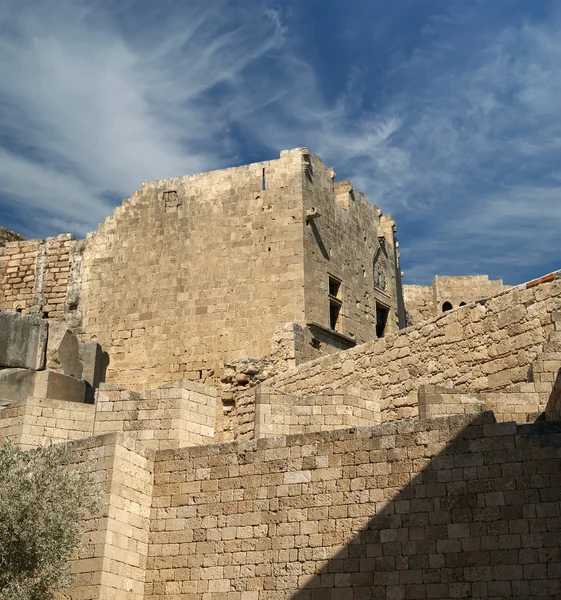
(42, 277)
(464, 289)
(38, 422)
(194, 270)
(112, 560)
(177, 415)
(485, 346)
(424, 302)
(419, 303)
(343, 243)
(287, 414)
(459, 507)
(18, 265)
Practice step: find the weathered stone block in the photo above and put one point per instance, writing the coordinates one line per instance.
(57, 386)
(23, 340)
(19, 384)
(63, 353)
(94, 364)
(16, 385)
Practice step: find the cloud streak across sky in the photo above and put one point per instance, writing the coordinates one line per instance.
(445, 114)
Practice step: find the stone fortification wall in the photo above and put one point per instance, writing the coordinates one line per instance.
(427, 509)
(42, 277)
(485, 346)
(8, 236)
(458, 290)
(178, 415)
(446, 293)
(197, 271)
(277, 413)
(192, 270)
(419, 303)
(343, 242)
(112, 560)
(38, 421)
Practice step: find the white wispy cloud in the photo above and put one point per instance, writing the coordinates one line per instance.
(459, 138)
(91, 109)
(465, 154)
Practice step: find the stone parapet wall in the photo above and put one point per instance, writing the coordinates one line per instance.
(484, 346)
(112, 560)
(445, 508)
(177, 415)
(286, 414)
(424, 302)
(419, 303)
(38, 422)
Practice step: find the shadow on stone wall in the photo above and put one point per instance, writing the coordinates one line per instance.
(482, 520)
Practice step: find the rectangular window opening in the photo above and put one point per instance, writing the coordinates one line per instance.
(382, 313)
(335, 315)
(334, 287)
(263, 182)
(335, 303)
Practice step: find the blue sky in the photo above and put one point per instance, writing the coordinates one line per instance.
(446, 113)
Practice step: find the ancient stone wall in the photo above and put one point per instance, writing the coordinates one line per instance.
(419, 303)
(486, 346)
(446, 293)
(174, 416)
(42, 277)
(37, 422)
(427, 509)
(343, 244)
(18, 266)
(197, 271)
(277, 413)
(8, 236)
(192, 270)
(112, 560)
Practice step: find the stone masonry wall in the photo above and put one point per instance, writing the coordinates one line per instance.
(112, 560)
(18, 265)
(194, 270)
(287, 414)
(485, 346)
(419, 303)
(449, 508)
(173, 416)
(424, 302)
(42, 277)
(342, 242)
(36, 422)
(177, 415)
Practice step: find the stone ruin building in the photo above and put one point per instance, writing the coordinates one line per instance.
(445, 293)
(228, 358)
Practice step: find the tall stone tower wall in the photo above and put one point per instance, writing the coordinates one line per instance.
(346, 243)
(272, 260)
(194, 269)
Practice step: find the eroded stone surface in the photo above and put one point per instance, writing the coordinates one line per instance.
(23, 340)
(63, 353)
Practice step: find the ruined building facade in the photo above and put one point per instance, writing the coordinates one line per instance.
(418, 462)
(445, 293)
(272, 259)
